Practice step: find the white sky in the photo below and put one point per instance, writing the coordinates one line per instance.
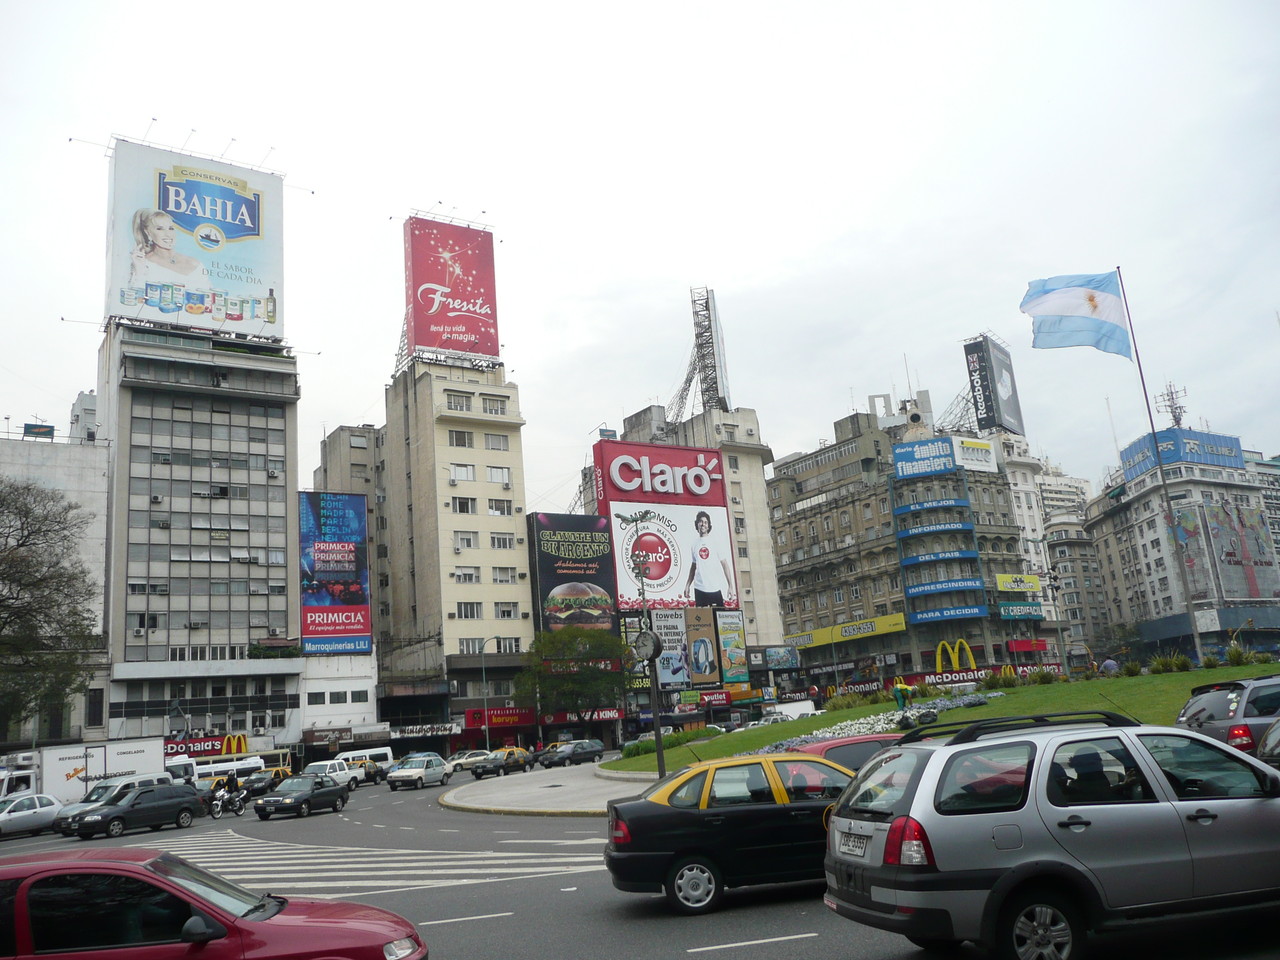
(864, 185)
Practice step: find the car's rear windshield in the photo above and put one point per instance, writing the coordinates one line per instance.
(1220, 703)
(884, 786)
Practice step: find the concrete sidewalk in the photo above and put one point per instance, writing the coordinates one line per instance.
(581, 791)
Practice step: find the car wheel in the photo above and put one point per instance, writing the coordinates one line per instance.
(353, 785)
(417, 784)
(694, 886)
(444, 781)
(154, 827)
(304, 808)
(183, 819)
(338, 805)
(476, 774)
(1040, 925)
(394, 786)
(115, 828)
(939, 948)
(264, 816)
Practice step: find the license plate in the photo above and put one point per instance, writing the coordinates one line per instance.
(854, 844)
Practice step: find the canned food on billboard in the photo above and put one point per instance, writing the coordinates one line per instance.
(195, 301)
(218, 304)
(129, 296)
(153, 293)
(235, 308)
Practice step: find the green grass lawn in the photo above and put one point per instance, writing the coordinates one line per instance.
(1151, 699)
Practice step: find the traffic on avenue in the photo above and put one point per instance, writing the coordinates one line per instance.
(513, 867)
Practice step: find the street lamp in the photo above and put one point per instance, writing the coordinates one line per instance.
(484, 682)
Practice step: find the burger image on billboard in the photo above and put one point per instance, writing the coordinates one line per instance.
(578, 605)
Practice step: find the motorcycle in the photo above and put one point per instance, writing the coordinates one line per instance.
(222, 801)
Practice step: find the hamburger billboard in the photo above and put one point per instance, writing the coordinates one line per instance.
(449, 288)
(572, 559)
(194, 242)
(685, 541)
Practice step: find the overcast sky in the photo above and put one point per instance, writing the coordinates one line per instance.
(863, 185)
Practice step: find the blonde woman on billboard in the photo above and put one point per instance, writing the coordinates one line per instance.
(155, 254)
(704, 579)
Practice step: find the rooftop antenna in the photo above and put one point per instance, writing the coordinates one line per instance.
(1168, 401)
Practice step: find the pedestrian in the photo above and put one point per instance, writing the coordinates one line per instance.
(1110, 668)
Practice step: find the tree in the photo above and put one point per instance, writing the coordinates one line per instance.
(575, 670)
(47, 632)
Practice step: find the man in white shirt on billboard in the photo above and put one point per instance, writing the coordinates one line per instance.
(704, 577)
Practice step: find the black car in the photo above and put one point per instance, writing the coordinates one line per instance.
(261, 782)
(1235, 712)
(300, 795)
(501, 762)
(575, 752)
(153, 807)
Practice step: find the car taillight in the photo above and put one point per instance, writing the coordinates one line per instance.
(907, 845)
(1240, 737)
(618, 831)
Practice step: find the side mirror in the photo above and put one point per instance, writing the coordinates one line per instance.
(1273, 785)
(201, 929)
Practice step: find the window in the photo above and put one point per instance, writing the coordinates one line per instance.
(359, 441)
(466, 574)
(499, 508)
(337, 696)
(499, 474)
(496, 406)
(470, 610)
(986, 780)
(502, 541)
(457, 401)
(465, 539)
(731, 462)
(96, 911)
(464, 504)
(743, 784)
(496, 441)
(461, 438)
(504, 574)
(507, 645)
(505, 610)
(462, 471)
(359, 696)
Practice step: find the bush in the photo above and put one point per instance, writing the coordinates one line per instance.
(1042, 676)
(1210, 662)
(669, 741)
(845, 701)
(927, 691)
(1237, 656)
(1131, 668)
(1262, 657)
(1182, 663)
(998, 681)
(1161, 663)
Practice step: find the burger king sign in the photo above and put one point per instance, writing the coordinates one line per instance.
(683, 550)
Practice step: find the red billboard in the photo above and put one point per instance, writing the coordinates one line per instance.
(685, 542)
(449, 288)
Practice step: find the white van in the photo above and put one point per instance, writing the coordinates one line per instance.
(373, 762)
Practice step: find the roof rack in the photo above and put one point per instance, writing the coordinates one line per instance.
(963, 731)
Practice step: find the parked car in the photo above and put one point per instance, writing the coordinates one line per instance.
(31, 813)
(129, 901)
(550, 748)
(417, 772)
(501, 762)
(153, 806)
(850, 752)
(338, 769)
(1024, 834)
(302, 794)
(409, 756)
(465, 760)
(723, 823)
(1237, 712)
(575, 752)
(263, 781)
(68, 817)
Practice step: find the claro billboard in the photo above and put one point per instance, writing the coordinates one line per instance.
(685, 542)
(195, 242)
(449, 289)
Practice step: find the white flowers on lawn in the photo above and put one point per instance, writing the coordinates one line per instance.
(879, 722)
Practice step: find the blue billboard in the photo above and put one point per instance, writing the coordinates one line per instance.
(1182, 446)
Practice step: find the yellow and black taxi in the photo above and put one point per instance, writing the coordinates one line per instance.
(724, 823)
(502, 761)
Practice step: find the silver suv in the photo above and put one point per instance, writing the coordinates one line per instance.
(1237, 712)
(1024, 834)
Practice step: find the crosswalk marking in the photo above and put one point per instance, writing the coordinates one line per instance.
(333, 872)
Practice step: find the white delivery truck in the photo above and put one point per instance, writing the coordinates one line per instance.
(791, 709)
(68, 772)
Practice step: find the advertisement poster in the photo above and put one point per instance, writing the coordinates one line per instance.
(195, 242)
(782, 658)
(1243, 552)
(704, 660)
(733, 646)
(572, 560)
(685, 542)
(449, 288)
(673, 662)
(991, 385)
(335, 573)
(1179, 445)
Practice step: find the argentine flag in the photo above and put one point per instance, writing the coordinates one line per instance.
(1080, 310)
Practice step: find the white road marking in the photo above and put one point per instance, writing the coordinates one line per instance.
(750, 943)
(487, 916)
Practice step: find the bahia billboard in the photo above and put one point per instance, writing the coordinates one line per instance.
(449, 289)
(335, 573)
(572, 559)
(194, 242)
(995, 393)
(685, 542)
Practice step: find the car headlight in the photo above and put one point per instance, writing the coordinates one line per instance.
(397, 949)
(92, 817)
(287, 800)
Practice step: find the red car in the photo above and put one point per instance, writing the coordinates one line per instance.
(850, 752)
(128, 902)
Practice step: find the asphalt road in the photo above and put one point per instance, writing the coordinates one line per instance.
(525, 887)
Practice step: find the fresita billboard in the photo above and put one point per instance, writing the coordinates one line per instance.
(449, 288)
(685, 546)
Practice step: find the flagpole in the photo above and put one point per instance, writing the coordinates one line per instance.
(1164, 483)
